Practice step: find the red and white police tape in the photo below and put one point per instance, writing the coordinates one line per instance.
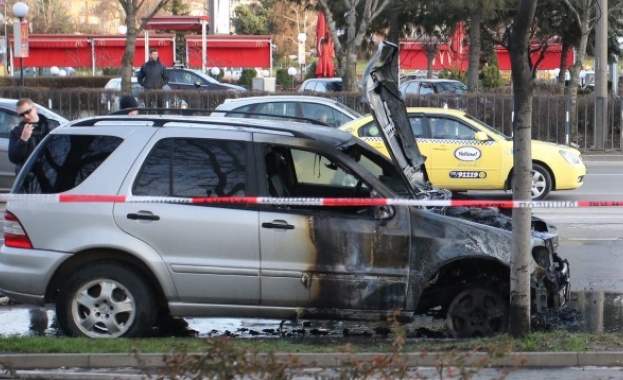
(75, 198)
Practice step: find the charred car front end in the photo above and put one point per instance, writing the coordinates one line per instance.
(468, 271)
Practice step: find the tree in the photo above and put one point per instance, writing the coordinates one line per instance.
(50, 16)
(434, 25)
(519, 48)
(178, 8)
(358, 16)
(135, 25)
(250, 19)
(285, 20)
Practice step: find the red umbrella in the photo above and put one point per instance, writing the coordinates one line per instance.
(325, 49)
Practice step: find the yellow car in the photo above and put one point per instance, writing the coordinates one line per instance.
(464, 153)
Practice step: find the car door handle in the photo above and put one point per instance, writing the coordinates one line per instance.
(142, 215)
(279, 224)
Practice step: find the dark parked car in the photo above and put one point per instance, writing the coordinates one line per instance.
(432, 86)
(322, 85)
(190, 79)
(327, 111)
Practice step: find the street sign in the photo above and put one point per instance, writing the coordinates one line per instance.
(20, 32)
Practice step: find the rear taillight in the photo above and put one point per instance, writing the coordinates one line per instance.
(14, 234)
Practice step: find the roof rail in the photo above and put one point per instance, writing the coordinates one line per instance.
(207, 112)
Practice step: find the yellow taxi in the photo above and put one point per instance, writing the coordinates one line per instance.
(463, 153)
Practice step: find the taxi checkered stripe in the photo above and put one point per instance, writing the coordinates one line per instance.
(456, 141)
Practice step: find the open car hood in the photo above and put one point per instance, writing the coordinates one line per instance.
(391, 115)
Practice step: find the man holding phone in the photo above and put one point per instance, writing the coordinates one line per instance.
(25, 137)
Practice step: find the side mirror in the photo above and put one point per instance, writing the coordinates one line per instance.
(481, 136)
(384, 212)
(197, 84)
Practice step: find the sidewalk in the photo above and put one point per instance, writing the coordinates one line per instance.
(602, 156)
(321, 360)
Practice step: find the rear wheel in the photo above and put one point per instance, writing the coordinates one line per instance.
(106, 300)
(477, 312)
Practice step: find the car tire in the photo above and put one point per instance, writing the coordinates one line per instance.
(541, 183)
(477, 312)
(106, 300)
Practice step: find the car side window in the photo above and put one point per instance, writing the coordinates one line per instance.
(193, 167)
(440, 128)
(463, 132)
(417, 126)
(369, 130)
(232, 113)
(300, 173)
(450, 129)
(187, 78)
(339, 119)
(7, 122)
(321, 113)
(275, 108)
(413, 88)
(426, 88)
(173, 76)
(65, 161)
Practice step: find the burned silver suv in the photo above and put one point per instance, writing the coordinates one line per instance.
(119, 219)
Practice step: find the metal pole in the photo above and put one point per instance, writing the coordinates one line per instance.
(21, 58)
(567, 125)
(146, 46)
(92, 41)
(601, 74)
(8, 47)
(204, 53)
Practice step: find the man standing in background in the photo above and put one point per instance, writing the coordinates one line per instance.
(153, 75)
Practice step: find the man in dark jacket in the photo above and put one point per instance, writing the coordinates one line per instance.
(153, 75)
(25, 137)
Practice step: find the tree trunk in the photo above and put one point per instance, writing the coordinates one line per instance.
(574, 72)
(130, 46)
(350, 69)
(430, 57)
(473, 70)
(394, 37)
(134, 28)
(519, 313)
(347, 53)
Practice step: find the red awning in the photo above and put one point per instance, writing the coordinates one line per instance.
(57, 44)
(230, 51)
(178, 23)
(76, 50)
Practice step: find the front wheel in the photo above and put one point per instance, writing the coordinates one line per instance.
(477, 312)
(106, 300)
(541, 183)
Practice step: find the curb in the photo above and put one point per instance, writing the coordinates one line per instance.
(332, 360)
(602, 157)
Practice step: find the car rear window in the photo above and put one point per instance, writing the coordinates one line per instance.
(64, 161)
